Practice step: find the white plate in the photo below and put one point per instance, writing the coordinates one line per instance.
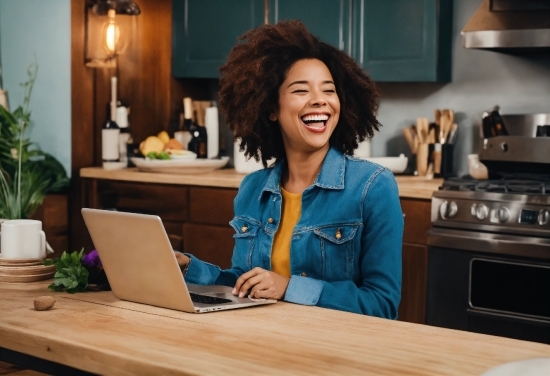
(179, 166)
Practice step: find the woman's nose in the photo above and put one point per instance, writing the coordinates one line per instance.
(317, 100)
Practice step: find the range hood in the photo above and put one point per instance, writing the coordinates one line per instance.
(509, 24)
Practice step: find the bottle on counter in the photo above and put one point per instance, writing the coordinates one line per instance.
(110, 132)
(212, 131)
(125, 136)
(183, 135)
(198, 143)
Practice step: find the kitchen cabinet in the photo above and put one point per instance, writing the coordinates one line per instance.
(395, 40)
(204, 31)
(327, 19)
(415, 259)
(404, 40)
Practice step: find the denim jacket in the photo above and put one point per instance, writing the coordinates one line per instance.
(345, 250)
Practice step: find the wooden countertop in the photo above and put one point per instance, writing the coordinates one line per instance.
(409, 186)
(96, 332)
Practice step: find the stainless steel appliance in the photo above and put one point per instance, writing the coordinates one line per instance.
(489, 247)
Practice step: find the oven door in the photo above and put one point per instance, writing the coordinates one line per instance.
(473, 286)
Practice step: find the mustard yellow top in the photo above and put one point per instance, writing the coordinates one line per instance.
(291, 211)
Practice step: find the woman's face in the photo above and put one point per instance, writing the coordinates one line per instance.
(309, 107)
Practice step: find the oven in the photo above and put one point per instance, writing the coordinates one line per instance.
(489, 258)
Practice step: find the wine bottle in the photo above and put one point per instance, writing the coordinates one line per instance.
(110, 132)
(197, 144)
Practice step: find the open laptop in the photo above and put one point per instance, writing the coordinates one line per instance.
(141, 267)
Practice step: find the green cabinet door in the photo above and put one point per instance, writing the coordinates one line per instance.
(404, 40)
(327, 19)
(204, 31)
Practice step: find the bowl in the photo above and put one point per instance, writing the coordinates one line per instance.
(394, 164)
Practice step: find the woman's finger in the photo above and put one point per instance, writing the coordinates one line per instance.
(243, 278)
(249, 284)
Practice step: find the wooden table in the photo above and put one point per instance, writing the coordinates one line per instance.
(98, 333)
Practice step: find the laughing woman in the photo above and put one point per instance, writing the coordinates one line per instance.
(319, 227)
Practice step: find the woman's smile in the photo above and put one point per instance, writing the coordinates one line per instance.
(309, 107)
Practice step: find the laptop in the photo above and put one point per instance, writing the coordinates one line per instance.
(141, 267)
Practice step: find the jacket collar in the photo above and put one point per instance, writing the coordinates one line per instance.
(330, 177)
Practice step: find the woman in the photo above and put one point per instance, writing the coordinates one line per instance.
(320, 227)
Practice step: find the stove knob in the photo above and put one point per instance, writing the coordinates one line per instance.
(503, 214)
(473, 210)
(482, 212)
(448, 209)
(544, 217)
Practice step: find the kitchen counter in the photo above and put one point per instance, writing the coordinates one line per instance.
(98, 333)
(409, 186)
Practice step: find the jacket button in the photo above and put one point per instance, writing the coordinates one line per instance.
(244, 228)
(270, 220)
(303, 274)
(338, 234)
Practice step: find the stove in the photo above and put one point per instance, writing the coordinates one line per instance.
(489, 245)
(506, 206)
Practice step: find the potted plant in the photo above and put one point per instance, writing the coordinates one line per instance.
(27, 174)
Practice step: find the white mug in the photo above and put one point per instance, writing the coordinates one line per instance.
(22, 239)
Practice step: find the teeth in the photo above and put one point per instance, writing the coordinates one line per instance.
(315, 118)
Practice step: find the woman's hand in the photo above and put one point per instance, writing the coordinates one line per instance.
(182, 259)
(262, 284)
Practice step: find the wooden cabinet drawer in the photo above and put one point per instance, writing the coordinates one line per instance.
(212, 206)
(170, 202)
(417, 220)
(213, 244)
(413, 292)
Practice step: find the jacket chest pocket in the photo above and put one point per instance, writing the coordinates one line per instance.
(337, 251)
(246, 231)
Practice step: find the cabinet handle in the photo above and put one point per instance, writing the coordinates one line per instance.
(266, 12)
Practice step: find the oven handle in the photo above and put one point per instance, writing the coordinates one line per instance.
(522, 246)
(483, 313)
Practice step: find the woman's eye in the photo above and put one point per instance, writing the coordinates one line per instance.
(330, 91)
(300, 91)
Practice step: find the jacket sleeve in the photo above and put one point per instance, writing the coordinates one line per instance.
(203, 273)
(379, 289)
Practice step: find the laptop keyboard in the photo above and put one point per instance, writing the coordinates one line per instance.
(197, 298)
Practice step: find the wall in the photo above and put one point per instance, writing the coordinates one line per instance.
(41, 28)
(480, 80)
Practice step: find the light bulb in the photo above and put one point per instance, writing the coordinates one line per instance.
(111, 34)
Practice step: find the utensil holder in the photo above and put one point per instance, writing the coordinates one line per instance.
(441, 156)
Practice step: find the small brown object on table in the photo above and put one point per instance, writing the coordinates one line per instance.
(43, 303)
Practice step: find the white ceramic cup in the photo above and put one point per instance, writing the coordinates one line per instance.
(22, 239)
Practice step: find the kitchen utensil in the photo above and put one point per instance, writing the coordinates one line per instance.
(410, 139)
(422, 155)
(452, 134)
(445, 125)
(437, 121)
(421, 131)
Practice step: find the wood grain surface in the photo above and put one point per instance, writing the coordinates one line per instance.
(98, 333)
(409, 186)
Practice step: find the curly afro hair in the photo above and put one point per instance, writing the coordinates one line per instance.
(256, 68)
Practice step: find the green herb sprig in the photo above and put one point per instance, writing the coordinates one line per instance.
(70, 275)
